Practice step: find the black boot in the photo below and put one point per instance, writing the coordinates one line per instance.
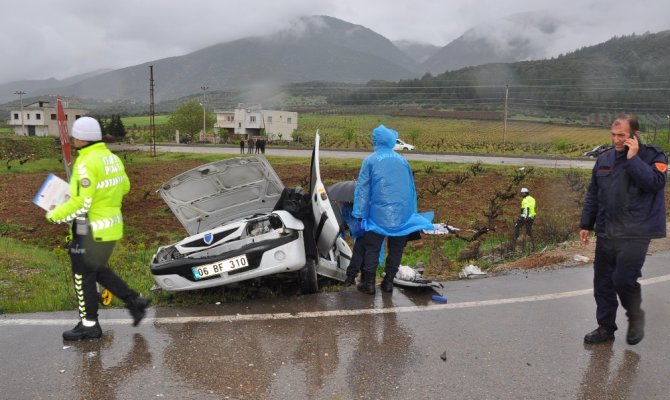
(137, 308)
(387, 285)
(367, 284)
(635, 328)
(351, 280)
(599, 335)
(83, 332)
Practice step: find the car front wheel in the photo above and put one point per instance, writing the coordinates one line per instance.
(308, 279)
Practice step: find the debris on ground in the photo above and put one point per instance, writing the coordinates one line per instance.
(443, 356)
(408, 276)
(471, 272)
(438, 298)
(441, 229)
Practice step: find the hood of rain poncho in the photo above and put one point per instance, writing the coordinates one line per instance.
(385, 196)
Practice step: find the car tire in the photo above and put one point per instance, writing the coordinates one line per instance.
(309, 282)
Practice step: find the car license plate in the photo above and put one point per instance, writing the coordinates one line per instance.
(219, 267)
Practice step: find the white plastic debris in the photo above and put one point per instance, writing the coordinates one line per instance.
(406, 273)
(470, 272)
(581, 258)
(440, 229)
(410, 277)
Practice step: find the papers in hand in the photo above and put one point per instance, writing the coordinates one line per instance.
(53, 192)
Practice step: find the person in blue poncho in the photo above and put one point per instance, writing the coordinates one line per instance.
(385, 201)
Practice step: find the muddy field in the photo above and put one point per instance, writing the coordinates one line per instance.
(149, 220)
(464, 204)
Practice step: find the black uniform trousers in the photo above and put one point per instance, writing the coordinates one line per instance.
(528, 223)
(617, 266)
(373, 242)
(356, 262)
(89, 265)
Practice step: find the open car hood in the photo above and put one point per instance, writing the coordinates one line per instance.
(221, 192)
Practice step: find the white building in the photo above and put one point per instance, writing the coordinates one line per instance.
(39, 119)
(250, 120)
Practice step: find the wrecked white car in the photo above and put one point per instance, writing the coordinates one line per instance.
(244, 225)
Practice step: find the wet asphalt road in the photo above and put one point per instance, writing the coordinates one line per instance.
(546, 162)
(514, 336)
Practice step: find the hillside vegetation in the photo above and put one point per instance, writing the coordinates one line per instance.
(626, 74)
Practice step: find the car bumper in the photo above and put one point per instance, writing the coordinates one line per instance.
(286, 254)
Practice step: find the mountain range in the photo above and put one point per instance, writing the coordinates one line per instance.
(518, 37)
(317, 48)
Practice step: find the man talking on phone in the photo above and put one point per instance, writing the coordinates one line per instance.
(625, 203)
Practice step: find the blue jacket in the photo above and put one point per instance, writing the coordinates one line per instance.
(625, 199)
(385, 195)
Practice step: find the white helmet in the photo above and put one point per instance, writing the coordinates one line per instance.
(524, 190)
(87, 129)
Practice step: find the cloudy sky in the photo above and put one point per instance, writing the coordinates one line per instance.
(60, 38)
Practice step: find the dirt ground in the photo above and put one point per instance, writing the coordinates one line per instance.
(149, 221)
(564, 255)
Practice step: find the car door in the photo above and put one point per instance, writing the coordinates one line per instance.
(326, 219)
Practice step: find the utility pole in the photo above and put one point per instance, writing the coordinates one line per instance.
(505, 123)
(204, 113)
(152, 125)
(21, 93)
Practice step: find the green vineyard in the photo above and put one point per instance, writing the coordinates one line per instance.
(453, 135)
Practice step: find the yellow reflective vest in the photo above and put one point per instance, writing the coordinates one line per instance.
(97, 186)
(528, 207)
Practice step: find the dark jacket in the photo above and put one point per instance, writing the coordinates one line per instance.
(625, 199)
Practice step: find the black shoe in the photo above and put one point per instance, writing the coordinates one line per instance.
(367, 285)
(600, 335)
(365, 288)
(137, 308)
(635, 329)
(387, 286)
(351, 280)
(83, 332)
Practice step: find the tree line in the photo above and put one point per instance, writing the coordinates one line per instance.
(625, 74)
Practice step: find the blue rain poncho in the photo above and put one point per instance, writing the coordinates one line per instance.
(353, 223)
(385, 196)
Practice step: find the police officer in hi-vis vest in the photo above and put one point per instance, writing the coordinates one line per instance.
(527, 216)
(97, 187)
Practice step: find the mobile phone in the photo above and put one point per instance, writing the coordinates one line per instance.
(632, 136)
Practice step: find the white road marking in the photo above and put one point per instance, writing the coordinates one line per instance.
(325, 314)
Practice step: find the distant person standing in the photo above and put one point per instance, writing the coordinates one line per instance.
(97, 187)
(527, 216)
(250, 145)
(242, 146)
(258, 145)
(385, 201)
(626, 204)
